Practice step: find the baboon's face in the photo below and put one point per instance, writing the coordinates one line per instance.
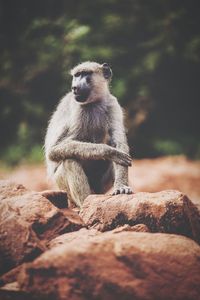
(90, 81)
(82, 85)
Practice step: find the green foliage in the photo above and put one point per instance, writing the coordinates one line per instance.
(35, 155)
(23, 150)
(153, 48)
(167, 147)
(16, 154)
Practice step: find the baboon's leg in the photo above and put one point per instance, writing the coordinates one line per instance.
(100, 175)
(70, 177)
(107, 179)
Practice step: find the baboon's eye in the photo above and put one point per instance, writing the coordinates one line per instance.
(86, 73)
(77, 74)
(83, 73)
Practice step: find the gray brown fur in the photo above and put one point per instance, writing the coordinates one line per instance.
(86, 147)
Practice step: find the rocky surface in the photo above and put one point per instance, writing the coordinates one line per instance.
(167, 211)
(28, 221)
(125, 265)
(85, 234)
(10, 276)
(117, 247)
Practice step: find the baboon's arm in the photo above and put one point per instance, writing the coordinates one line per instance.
(81, 150)
(120, 140)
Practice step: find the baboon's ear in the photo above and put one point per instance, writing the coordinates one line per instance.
(107, 72)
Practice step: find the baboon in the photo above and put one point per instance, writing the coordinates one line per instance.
(86, 146)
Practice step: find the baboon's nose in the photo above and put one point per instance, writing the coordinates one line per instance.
(74, 89)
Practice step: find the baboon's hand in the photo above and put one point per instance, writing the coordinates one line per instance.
(121, 158)
(124, 189)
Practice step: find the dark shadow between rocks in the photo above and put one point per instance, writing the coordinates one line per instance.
(57, 198)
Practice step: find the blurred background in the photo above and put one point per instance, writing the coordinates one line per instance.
(153, 48)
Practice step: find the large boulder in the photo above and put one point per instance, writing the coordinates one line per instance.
(28, 222)
(167, 211)
(111, 265)
(86, 234)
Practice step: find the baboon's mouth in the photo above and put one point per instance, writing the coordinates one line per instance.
(82, 97)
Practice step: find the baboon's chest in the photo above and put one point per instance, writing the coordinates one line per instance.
(94, 125)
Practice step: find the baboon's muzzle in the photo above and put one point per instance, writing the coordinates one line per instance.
(81, 95)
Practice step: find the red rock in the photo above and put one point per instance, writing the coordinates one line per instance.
(80, 235)
(10, 189)
(166, 211)
(10, 276)
(18, 243)
(28, 221)
(125, 265)
(11, 291)
(85, 234)
(136, 228)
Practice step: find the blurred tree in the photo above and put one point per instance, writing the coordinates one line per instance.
(153, 47)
